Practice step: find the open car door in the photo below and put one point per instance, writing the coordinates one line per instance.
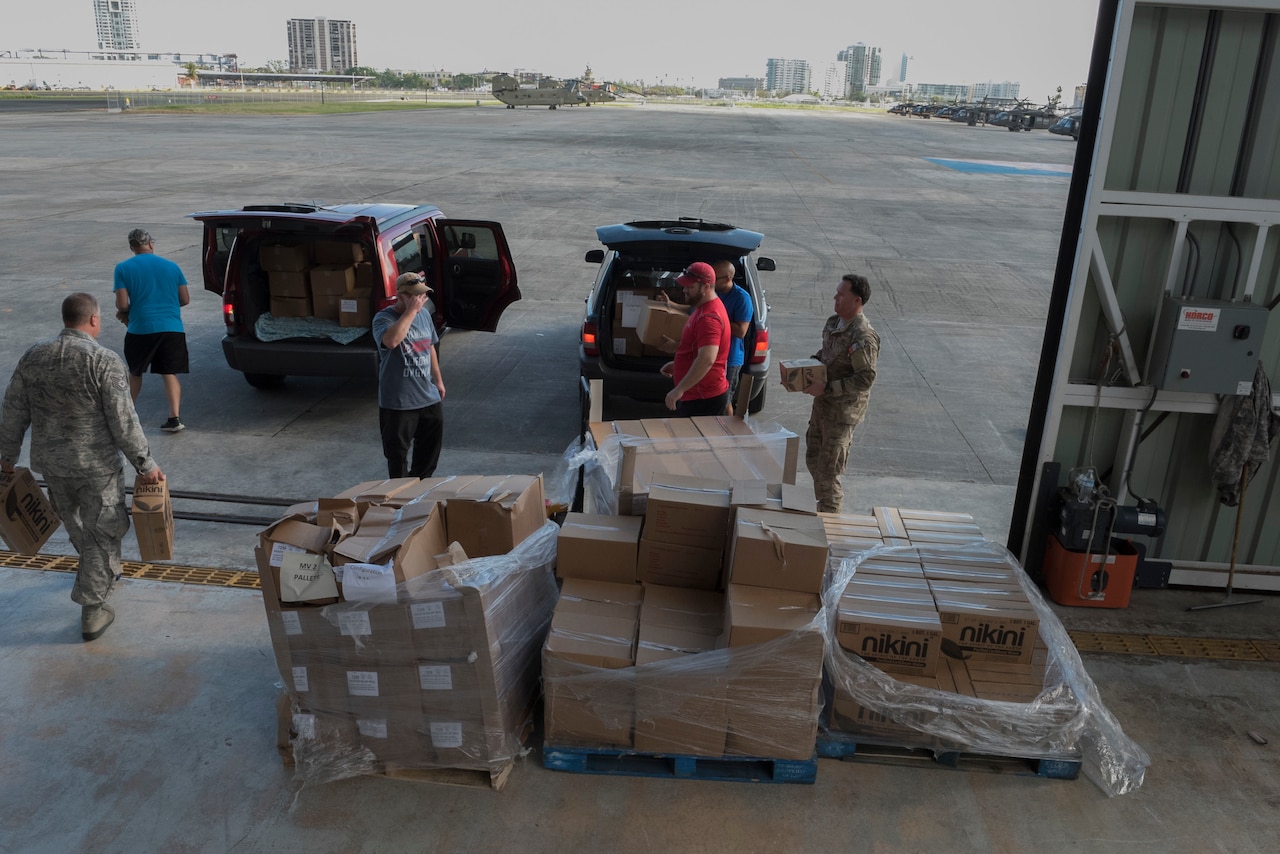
(477, 274)
(218, 237)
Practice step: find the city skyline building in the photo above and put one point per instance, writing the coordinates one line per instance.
(787, 75)
(828, 79)
(902, 75)
(862, 64)
(1005, 90)
(321, 44)
(117, 24)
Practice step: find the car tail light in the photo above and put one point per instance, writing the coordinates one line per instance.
(229, 317)
(589, 344)
(761, 351)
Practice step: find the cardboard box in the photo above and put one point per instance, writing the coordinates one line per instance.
(153, 519)
(979, 629)
(28, 519)
(326, 306)
(600, 598)
(588, 683)
(799, 374)
(492, 515)
(887, 726)
(679, 607)
(410, 542)
(781, 497)
(687, 511)
(660, 326)
(773, 696)
(291, 535)
(355, 308)
(896, 640)
(787, 551)
(759, 614)
(283, 256)
(598, 547)
(288, 283)
(291, 306)
(681, 695)
(679, 565)
(332, 279)
(337, 252)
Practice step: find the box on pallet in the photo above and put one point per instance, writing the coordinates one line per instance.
(768, 548)
(599, 547)
(27, 520)
(152, 513)
(895, 638)
(492, 515)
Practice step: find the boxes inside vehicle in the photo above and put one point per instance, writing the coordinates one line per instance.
(28, 519)
(284, 256)
(152, 513)
(660, 325)
(427, 659)
(354, 309)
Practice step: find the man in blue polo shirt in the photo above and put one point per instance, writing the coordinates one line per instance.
(737, 304)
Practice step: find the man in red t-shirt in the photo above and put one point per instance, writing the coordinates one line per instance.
(699, 366)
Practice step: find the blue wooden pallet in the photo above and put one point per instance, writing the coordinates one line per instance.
(843, 745)
(628, 763)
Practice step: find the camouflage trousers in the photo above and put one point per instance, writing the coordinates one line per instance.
(93, 511)
(826, 452)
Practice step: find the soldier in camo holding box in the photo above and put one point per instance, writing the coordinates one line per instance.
(850, 350)
(74, 395)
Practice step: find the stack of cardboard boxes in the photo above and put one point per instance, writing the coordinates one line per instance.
(396, 650)
(944, 620)
(328, 280)
(643, 325)
(703, 640)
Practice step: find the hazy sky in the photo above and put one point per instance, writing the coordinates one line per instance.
(1040, 43)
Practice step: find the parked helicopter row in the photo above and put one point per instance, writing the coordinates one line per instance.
(551, 92)
(1015, 117)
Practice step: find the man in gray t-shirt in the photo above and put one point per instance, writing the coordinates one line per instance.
(410, 387)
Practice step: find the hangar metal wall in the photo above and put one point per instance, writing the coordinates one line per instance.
(1182, 194)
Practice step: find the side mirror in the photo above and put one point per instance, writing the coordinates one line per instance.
(766, 264)
(467, 240)
(594, 256)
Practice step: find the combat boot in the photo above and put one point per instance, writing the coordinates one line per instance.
(94, 620)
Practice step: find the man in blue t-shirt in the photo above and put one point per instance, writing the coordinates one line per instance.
(150, 293)
(737, 304)
(410, 386)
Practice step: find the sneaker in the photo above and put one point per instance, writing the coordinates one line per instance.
(94, 620)
(173, 425)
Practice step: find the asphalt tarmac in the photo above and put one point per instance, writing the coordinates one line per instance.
(160, 735)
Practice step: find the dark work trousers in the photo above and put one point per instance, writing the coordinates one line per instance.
(422, 428)
(705, 406)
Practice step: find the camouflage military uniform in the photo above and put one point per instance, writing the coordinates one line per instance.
(74, 394)
(850, 355)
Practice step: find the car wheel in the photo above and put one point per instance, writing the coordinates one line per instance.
(757, 402)
(264, 381)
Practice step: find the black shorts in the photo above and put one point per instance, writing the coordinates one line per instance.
(163, 352)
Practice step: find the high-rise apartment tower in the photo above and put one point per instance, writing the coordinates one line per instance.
(318, 44)
(117, 23)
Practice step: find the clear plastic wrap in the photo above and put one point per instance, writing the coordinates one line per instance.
(444, 675)
(1067, 717)
(618, 470)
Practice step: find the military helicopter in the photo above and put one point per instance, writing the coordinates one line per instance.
(550, 92)
(1026, 117)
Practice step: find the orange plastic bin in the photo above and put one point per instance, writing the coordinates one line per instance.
(1079, 578)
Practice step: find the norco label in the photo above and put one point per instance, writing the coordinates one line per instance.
(446, 734)
(428, 615)
(1199, 319)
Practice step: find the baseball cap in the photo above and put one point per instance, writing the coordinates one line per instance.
(412, 284)
(698, 271)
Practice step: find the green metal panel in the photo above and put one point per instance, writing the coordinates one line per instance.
(1226, 104)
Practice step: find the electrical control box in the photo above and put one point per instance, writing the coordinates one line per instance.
(1207, 345)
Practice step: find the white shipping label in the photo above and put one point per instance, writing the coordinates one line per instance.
(372, 727)
(304, 725)
(305, 576)
(435, 677)
(1244, 388)
(632, 305)
(362, 683)
(279, 550)
(369, 582)
(619, 346)
(292, 624)
(354, 624)
(300, 683)
(1199, 319)
(446, 734)
(428, 615)
(349, 306)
